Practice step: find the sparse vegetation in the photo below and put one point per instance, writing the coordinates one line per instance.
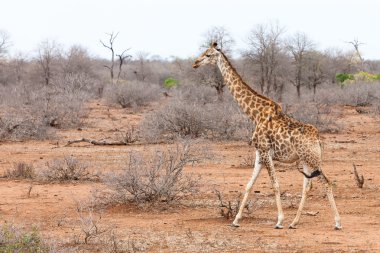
(229, 208)
(14, 239)
(21, 170)
(90, 223)
(188, 115)
(157, 179)
(132, 94)
(67, 169)
(35, 112)
(319, 115)
(53, 100)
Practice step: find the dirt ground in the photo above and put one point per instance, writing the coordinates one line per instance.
(197, 225)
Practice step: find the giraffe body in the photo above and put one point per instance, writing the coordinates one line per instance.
(277, 137)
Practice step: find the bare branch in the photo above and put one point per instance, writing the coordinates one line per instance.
(358, 179)
(100, 143)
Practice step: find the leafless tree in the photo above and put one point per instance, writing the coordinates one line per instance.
(299, 45)
(315, 63)
(264, 51)
(110, 46)
(48, 51)
(18, 64)
(220, 35)
(123, 59)
(4, 42)
(355, 43)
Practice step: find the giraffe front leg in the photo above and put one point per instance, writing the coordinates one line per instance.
(276, 187)
(248, 189)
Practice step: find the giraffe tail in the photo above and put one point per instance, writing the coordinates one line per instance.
(315, 173)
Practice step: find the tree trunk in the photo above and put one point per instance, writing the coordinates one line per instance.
(298, 91)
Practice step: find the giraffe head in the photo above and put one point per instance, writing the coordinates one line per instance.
(210, 56)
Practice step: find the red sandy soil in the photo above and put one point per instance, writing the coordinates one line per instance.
(196, 225)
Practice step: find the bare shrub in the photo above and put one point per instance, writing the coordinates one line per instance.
(229, 208)
(132, 94)
(376, 107)
(21, 125)
(62, 104)
(227, 122)
(32, 109)
(90, 225)
(158, 179)
(14, 239)
(196, 93)
(130, 135)
(21, 170)
(357, 94)
(191, 114)
(319, 115)
(179, 118)
(69, 168)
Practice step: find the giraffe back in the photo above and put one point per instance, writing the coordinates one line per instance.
(289, 140)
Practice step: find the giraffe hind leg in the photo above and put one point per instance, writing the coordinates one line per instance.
(305, 189)
(328, 187)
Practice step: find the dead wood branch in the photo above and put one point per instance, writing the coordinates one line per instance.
(358, 179)
(100, 143)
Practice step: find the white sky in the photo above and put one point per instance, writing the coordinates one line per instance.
(175, 27)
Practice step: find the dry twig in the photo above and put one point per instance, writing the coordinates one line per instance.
(358, 179)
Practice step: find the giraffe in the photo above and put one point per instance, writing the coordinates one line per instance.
(277, 137)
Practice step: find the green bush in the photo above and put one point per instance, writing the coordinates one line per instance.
(346, 78)
(12, 239)
(343, 77)
(364, 76)
(170, 82)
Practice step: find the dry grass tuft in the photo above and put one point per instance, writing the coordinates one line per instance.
(21, 170)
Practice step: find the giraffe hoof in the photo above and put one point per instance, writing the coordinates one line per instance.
(279, 227)
(292, 227)
(338, 228)
(235, 225)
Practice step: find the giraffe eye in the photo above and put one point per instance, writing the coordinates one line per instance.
(207, 55)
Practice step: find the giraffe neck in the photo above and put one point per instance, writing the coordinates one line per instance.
(257, 107)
